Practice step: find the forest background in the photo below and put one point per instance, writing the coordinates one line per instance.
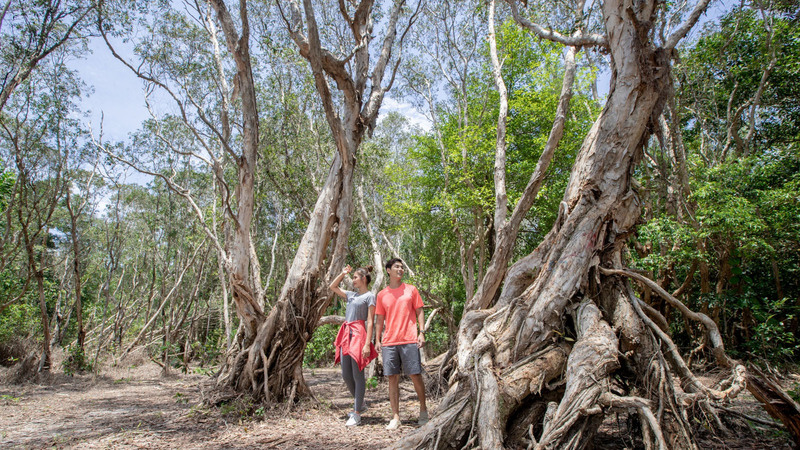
(109, 246)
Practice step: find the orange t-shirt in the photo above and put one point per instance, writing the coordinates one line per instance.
(399, 307)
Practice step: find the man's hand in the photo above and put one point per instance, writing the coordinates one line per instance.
(420, 340)
(378, 346)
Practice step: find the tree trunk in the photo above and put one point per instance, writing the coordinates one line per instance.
(76, 272)
(271, 366)
(44, 362)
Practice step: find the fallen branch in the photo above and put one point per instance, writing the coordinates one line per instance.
(327, 320)
(769, 423)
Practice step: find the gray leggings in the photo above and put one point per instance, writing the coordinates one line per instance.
(354, 379)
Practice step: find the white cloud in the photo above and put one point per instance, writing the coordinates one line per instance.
(407, 110)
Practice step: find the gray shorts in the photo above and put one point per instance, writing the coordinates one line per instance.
(406, 355)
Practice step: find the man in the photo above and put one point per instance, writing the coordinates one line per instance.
(400, 305)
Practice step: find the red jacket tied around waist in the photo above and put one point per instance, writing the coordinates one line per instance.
(350, 341)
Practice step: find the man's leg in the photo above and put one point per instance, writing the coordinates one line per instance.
(419, 386)
(394, 395)
(391, 368)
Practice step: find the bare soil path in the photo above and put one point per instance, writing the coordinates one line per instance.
(139, 408)
(136, 407)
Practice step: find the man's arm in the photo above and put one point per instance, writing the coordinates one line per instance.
(421, 322)
(378, 331)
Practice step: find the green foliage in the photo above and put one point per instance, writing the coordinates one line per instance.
(771, 338)
(240, 407)
(319, 350)
(795, 392)
(726, 67)
(75, 361)
(9, 399)
(180, 398)
(7, 180)
(661, 233)
(437, 337)
(19, 320)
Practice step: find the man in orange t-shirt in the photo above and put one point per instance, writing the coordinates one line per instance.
(400, 306)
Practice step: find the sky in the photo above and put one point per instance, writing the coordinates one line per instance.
(118, 97)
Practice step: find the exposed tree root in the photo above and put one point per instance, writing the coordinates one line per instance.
(270, 368)
(774, 400)
(591, 362)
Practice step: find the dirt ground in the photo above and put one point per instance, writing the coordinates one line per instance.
(135, 407)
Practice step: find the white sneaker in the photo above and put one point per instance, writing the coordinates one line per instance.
(355, 419)
(393, 424)
(423, 418)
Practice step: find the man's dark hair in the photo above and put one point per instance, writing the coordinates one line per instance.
(391, 262)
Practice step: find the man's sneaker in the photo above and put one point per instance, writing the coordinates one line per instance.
(423, 418)
(355, 419)
(393, 424)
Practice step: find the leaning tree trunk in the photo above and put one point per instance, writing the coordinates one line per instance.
(538, 365)
(270, 367)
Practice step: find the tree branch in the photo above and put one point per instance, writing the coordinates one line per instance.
(686, 26)
(576, 40)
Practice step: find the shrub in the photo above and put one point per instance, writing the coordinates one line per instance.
(320, 351)
(75, 361)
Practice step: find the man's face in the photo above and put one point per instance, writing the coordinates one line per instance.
(397, 270)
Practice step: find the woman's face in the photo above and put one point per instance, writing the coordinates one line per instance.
(358, 280)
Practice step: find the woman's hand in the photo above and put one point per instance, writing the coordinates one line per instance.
(365, 351)
(335, 283)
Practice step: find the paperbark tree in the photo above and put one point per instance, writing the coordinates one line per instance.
(182, 87)
(40, 171)
(77, 210)
(31, 31)
(567, 341)
(270, 367)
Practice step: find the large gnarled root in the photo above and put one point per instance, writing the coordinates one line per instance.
(593, 358)
(270, 367)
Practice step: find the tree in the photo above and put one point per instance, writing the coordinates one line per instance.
(554, 315)
(38, 135)
(30, 31)
(271, 366)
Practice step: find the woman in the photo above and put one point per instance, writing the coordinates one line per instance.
(354, 341)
